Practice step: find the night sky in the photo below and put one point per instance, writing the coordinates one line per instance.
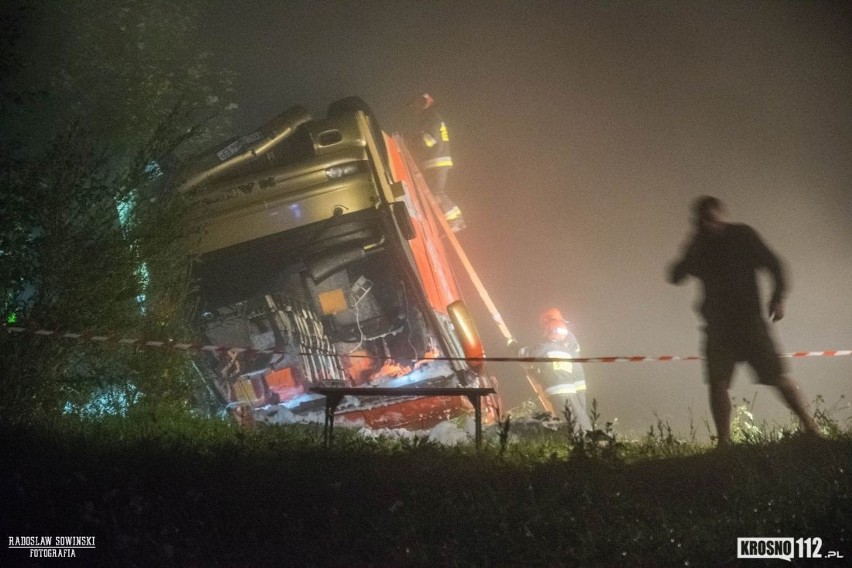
(581, 134)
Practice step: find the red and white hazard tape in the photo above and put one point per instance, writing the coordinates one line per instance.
(136, 342)
(185, 346)
(799, 354)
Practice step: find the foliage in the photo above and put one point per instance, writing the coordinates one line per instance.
(178, 490)
(101, 98)
(124, 68)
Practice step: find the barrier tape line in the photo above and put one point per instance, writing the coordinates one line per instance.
(187, 346)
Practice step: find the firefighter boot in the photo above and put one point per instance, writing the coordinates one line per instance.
(454, 219)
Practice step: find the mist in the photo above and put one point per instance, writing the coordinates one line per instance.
(581, 134)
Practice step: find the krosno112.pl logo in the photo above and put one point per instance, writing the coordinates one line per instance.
(783, 548)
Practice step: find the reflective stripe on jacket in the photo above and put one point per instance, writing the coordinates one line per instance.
(440, 162)
(433, 149)
(565, 388)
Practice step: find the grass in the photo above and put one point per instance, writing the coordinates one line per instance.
(182, 491)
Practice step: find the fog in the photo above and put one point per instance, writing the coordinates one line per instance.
(581, 134)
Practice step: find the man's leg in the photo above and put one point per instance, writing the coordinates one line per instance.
(581, 396)
(771, 371)
(792, 395)
(436, 178)
(580, 385)
(720, 407)
(720, 365)
(583, 421)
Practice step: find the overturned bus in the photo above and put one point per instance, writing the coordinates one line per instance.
(320, 262)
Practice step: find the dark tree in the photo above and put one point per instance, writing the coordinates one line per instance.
(99, 97)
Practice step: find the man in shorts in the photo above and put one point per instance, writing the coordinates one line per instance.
(725, 257)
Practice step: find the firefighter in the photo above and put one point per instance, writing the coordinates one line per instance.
(564, 382)
(432, 150)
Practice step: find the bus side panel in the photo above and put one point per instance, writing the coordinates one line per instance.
(429, 254)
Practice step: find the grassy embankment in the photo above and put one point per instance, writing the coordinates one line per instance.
(192, 492)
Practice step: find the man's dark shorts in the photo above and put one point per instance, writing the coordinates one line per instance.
(726, 345)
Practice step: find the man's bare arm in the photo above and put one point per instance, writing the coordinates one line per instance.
(771, 262)
(686, 265)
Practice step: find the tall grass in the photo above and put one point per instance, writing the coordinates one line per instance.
(180, 490)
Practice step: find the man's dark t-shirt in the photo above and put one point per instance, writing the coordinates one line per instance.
(726, 264)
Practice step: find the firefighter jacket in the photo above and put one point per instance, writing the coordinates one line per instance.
(560, 377)
(433, 141)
